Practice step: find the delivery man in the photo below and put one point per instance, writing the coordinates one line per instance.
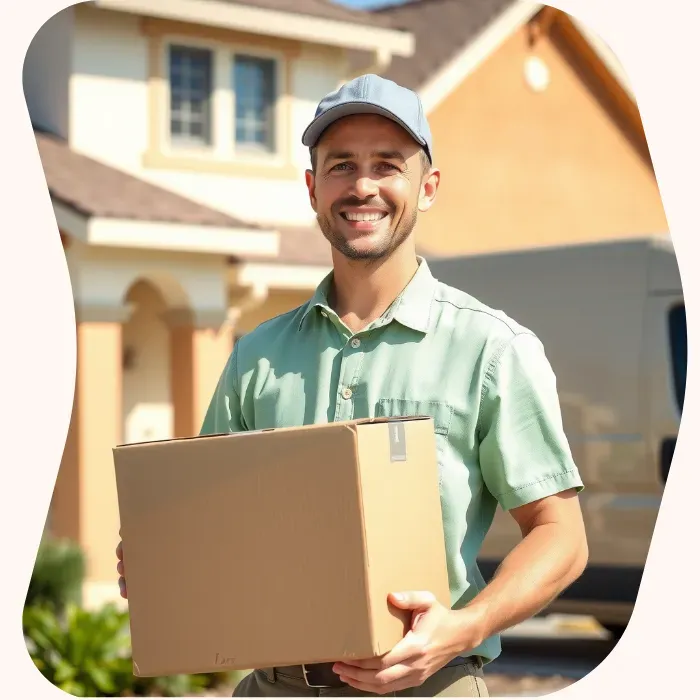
(381, 333)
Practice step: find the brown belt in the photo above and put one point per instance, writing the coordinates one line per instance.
(322, 675)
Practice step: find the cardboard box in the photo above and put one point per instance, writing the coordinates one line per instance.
(272, 548)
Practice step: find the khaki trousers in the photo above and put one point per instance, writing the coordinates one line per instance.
(463, 681)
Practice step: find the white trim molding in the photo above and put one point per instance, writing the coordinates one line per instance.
(476, 51)
(258, 20)
(277, 276)
(154, 235)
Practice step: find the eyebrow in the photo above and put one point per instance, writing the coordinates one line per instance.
(346, 155)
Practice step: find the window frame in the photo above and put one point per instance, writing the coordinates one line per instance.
(275, 99)
(223, 148)
(184, 144)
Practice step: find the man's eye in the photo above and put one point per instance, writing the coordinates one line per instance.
(390, 166)
(341, 166)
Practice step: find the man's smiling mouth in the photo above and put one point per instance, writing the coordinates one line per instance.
(363, 216)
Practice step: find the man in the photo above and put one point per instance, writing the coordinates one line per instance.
(382, 337)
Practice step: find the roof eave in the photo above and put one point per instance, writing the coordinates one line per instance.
(102, 231)
(258, 20)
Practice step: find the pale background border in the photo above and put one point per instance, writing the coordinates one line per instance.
(657, 45)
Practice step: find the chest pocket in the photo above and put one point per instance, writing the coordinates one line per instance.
(440, 412)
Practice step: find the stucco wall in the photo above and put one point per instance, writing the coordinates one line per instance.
(110, 118)
(524, 168)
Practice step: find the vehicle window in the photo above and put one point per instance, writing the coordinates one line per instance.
(679, 350)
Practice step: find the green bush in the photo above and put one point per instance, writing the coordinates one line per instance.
(84, 653)
(88, 654)
(58, 574)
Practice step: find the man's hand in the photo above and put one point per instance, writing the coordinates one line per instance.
(436, 636)
(120, 571)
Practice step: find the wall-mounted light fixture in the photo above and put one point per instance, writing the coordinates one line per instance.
(537, 74)
(128, 358)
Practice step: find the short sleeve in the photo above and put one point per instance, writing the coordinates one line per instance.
(224, 412)
(523, 452)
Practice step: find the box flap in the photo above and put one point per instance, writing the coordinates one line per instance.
(314, 426)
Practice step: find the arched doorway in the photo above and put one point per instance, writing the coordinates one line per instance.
(147, 395)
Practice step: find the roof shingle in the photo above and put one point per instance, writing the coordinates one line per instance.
(442, 28)
(303, 245)
(95, 189)
(299, 245)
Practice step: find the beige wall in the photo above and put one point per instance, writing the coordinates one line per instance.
(522, 168)
(84, 505)
(118, 105)
(278, 302)
(198, 357)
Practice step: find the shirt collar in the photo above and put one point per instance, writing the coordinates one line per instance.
(411, 308)
(319, 299)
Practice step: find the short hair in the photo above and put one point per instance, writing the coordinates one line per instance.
(424, 160)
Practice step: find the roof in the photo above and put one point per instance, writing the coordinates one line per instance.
(303, 245)
(298, 245)
(94, 189)
(323, 9)
(442, 28)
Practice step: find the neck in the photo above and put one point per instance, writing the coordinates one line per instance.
(363, 290)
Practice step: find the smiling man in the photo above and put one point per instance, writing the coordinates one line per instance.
(381, 336)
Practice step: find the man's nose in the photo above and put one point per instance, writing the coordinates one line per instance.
(364, 187)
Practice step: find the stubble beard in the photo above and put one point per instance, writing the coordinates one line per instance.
(392, 240)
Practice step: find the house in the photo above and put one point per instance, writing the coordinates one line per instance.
(169, 133)
(535, 127)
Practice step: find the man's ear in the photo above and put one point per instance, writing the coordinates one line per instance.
(311, 187)
(429, 189)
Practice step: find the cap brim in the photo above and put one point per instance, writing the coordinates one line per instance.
(314, 130)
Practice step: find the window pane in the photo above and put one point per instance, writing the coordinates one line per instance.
(679, 351)
(255, 91)
(191, 78)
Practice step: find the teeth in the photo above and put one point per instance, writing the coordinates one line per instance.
(355, 216)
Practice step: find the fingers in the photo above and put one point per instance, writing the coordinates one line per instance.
(408, 649)
(412, 600)
(370, 679)
(375, 663)
(120, 570)
(373, 689)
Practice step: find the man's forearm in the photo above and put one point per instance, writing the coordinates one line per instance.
(534, 573)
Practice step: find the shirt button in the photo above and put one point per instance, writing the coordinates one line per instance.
(347, 393)
(324, 314)
(355, 342)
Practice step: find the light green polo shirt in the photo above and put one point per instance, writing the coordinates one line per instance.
(437, 351)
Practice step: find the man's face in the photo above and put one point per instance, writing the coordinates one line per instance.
(369, 184)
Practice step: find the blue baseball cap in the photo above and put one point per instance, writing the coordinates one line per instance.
(371, 94)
